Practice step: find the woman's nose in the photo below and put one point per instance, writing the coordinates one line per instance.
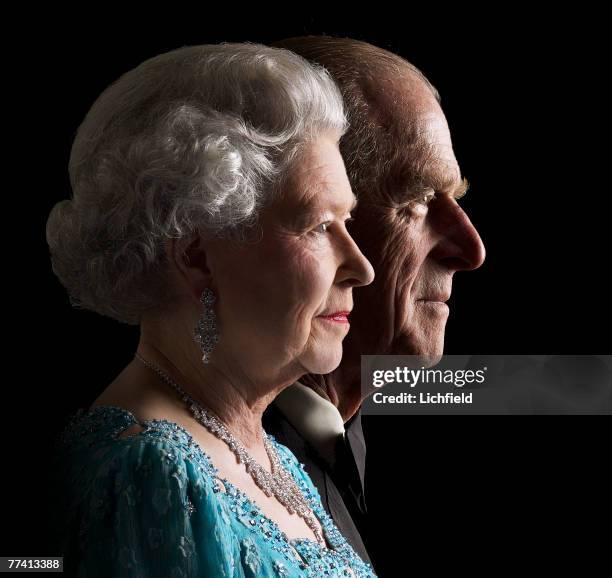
(355, 270)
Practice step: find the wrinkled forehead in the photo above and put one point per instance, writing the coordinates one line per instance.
(316, 183)
(416, 136)
(401, 93)
(403, 106)
(430, 154)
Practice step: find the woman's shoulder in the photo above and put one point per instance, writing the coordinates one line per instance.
(104, 440)
(103, 423)
(134, 499)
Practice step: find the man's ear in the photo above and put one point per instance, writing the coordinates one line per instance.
(188, 258)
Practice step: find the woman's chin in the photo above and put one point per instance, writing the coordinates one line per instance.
(323, 359)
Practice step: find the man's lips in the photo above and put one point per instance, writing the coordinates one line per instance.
(435, 303)
(436, 298)
(337, 316)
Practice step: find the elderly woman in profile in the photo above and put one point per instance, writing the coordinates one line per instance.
(210, 206)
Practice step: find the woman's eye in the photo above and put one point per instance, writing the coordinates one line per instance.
(322, 228)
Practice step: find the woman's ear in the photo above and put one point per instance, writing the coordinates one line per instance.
(188, 258)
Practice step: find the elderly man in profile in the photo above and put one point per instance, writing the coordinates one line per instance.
(400, 161)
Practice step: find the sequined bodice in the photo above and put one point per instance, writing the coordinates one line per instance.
(153, 504)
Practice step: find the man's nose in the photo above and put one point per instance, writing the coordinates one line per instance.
(460, 244)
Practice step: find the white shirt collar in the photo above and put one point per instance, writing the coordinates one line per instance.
(316, 419)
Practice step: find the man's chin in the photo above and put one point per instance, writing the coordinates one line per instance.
(427, 350)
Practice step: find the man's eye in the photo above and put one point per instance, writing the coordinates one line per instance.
(426, 198)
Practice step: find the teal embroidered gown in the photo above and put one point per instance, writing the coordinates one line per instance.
(153, 505)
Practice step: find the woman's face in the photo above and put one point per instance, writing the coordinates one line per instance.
(277, 296)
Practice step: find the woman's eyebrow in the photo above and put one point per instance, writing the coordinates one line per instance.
(342, 209)
(338, 208)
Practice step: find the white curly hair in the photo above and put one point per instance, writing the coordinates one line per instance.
(194, 140)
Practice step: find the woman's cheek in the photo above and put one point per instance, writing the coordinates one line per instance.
(310, 278)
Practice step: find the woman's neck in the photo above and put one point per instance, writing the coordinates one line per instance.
(236, 400)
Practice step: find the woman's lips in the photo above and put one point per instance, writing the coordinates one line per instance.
(337, 317)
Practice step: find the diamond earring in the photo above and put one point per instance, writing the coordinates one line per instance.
(206, 331)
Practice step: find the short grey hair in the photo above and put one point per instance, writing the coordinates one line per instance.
(198, 139)
(375, 140)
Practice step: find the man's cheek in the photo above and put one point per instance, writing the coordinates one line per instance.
(403, 260)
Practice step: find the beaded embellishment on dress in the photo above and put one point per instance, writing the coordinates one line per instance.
(98, 430)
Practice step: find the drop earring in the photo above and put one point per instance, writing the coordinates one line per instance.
(206, 331)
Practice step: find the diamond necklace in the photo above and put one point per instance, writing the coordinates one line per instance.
(279, 482)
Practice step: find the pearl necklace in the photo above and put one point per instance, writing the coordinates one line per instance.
(279, 482)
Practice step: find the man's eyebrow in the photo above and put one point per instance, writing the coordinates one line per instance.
(419, 177)
(462, 188)
(444, 184)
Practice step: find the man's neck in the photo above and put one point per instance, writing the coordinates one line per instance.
(342, 387)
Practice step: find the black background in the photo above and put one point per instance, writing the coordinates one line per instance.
(525, 100)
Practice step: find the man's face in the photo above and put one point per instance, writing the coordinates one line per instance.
(416, 236)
